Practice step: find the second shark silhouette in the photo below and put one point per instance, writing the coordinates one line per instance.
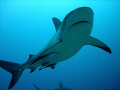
(71, 35)
(61, 87)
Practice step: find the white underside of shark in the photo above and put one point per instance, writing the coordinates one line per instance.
(71, 35)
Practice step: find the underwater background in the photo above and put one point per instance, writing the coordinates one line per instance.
(26, 27)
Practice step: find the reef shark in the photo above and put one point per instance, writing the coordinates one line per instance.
(71, 35)
(61, 87)
(36, 87)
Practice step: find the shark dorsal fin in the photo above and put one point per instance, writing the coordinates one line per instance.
(56, 22)
(61, 85)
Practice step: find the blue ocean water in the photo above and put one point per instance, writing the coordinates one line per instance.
(26, 27)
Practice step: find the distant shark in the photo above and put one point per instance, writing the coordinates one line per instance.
(36, 87)
(61, 87)
(71, 35)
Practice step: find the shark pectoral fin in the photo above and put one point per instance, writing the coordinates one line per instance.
(97, 43)
(56, 22)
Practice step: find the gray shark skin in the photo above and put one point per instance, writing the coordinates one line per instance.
(61, 87)
(71, 35)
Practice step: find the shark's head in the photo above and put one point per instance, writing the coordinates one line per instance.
(84, 14)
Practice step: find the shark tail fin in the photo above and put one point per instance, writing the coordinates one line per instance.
(12, 68)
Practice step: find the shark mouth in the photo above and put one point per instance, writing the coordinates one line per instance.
(80, 22)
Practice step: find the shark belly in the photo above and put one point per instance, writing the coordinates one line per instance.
(73, 40)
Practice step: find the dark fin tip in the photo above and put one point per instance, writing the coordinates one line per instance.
(107, 49)
(31, 71)
(9, 87)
